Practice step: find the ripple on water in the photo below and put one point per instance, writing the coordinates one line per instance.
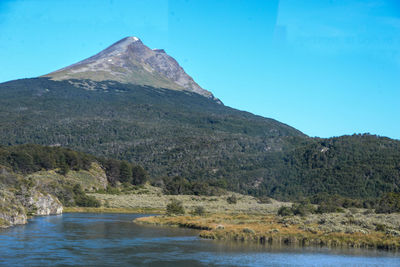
(79, 239)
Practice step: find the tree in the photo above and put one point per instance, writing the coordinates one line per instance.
(22, 161)
(112, 171)
(176, 185)
(139, 175)
(125, 172)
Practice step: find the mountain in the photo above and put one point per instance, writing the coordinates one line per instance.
(173, 130)
(168, 132)
(130, 61)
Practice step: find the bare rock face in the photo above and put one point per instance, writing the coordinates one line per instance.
(44, 204)
(12, 218)
(15, 208)
(11, 210)
(130, 61)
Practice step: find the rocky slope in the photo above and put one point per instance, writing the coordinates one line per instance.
(130, 61)
(16, 207)
(34, 194)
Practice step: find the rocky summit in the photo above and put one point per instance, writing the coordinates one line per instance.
(130, 61)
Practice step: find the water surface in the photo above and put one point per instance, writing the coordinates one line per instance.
(87, 239)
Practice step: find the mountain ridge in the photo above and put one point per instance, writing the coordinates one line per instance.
(130, 61)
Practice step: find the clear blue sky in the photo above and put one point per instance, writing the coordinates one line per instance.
(327, 68)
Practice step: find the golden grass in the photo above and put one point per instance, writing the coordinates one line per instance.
(270, 230)
(250, 221)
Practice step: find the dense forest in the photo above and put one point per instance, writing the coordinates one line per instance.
(357, 166)
(18, 162)
(169, 133)
(187, 143)
(26, 159)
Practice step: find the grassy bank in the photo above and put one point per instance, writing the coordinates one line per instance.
(276, 230)
(150, 197)
(248, 220)
(112, 210)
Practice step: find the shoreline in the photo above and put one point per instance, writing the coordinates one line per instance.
(268, 230)
(112, 210)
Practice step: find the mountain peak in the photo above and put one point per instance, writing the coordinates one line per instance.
(127, 41)
(130, 61)
(132, 38)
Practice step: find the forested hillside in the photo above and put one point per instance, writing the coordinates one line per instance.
(185, 138)
(27, 159)
(357, 166)
(167, 132)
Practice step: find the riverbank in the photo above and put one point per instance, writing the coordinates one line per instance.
(331, 230)
(249, 220)
(104, 239)
(153, 198)
(112, 210)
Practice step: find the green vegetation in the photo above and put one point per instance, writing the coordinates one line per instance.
(199, 211)
(26, 159)
(231, 199)
(175, 207)
(178, 185)
(38, 180)
(32, 158)
(285, 211)
(169, 133)
(83, 200)
(199, 146)
(357, 168)
(124, 172)
(332, 230)
(389, 203)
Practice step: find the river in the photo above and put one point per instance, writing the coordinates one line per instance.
(88, 239)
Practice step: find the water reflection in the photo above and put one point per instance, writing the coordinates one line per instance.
(113, 240)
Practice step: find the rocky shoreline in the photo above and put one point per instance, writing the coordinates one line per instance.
(16, 209)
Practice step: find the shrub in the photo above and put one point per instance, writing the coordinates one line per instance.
(64, 169)
(181, 186)
(86, 201)
(175, 207)
(264, 200)
(112, 190)
(328, 208)
(199, 211)
(232, 199)
(285, 211)
(176, 185)
(380, 227)
(302, 209)
(248, 230)
(83, 200)
(389, 203)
